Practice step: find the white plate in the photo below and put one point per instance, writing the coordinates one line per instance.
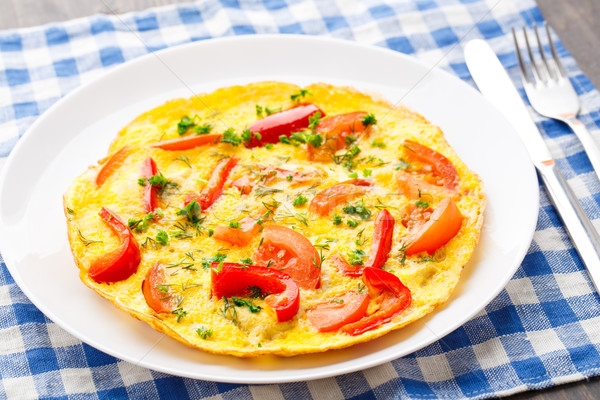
(76, 132)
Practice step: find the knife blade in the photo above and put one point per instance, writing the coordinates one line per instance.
(495, 84)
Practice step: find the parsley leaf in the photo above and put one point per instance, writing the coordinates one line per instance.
(356, 257)
(299, 201)
(192, 211)
(369, 119)
(229, 136)
(204, 332)
(162, 237)
(295, 97)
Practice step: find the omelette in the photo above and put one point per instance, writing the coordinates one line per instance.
(276, 219)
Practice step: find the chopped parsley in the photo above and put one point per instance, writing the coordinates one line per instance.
(356, 257)
(300, 200)
(240, 302)
(204, 332)
(352, 223)
(140, 225)
(257, 293)
(422, 204)
(358, 209)
(192, 211)
(337, 219)
(203, 129)
(184, 124)
(339, 301)
(296, 97)
(162, 237)
(218, 258)
(367, 172)
(234, 225)
(180, 313)
(269, 146)
(229, 136)
(369, 119)
(378, 143)
(314, 121)
(247, 261)
(350, 139)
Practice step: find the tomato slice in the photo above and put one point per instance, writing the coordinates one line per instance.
(150, 193)
(216, 183)
(381, 244)
(334, 130)
(244, 184)
(333, 314)
(328, 198)
(112, 164)
(158, 296)
(236, 279)
(282, 123)
(444, 223)
(391, 294)
(441, 166)
(238, 236)
(120, 263)
(188, 142)
(289, 251)
(414, 187)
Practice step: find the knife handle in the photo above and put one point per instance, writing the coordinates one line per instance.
(579, 227)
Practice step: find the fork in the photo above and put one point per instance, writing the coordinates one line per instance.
(551, 94)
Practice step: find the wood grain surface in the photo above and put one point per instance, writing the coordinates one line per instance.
(575, 22)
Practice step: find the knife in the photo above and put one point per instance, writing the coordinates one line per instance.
(495, 84)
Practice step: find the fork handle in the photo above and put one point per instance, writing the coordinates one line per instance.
(579, 227)
(587, 140)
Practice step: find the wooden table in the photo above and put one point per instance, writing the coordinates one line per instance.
(575, 21)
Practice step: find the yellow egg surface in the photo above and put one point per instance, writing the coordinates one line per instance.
(185, 247)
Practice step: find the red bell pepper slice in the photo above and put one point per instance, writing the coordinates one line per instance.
(215, 185)
(238, 236)
(158, 296)
(328, 198)
(188, 142)
(391, 294)
(150, 192)
(232, 279)
(334, 130)
(282, 123)
(381, 244)
(444, 223)
(120, 263)
(112, 164)
(442, 167)
(332, 314)
(289, 251)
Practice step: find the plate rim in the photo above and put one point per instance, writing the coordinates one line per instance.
(132, 64)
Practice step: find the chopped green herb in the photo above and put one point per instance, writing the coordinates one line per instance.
(184, 124)
(259, 111)
(182, 158)
(422, 204)
(140, 225)
(284, 139)
(192, 211)
(234, 225)
(301, 94)
(355, 257)
(352, 224)
(240, 302)
(402, 165)
(269, 146)
(314, 121)
(229, 136)
(337, 219)
(203, 129)
(350, 139)
(353, 175)
(86, 242)
(204, 332)
(180, 313)
(289, 177)
(247, 261)
(300, 200)
(270, 111)
(246, 136)
(218, 258)
(359, 209)
(211, 232)
(369, 119)
(340, 301)
(162, 237)
(367, 172)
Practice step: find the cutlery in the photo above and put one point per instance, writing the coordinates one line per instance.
(497, 87)
(551, 93)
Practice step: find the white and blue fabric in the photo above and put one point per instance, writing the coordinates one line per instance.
(543, 329)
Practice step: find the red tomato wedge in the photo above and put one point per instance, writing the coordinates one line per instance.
(111, 165)
(344, 266)
(290, 252)
(216, 183)
(157, 294)
(333, 314)
(442, 167)
(443, 225)
(381, 244)
(150, 193)
(328, 198)
(120, 263)
(189, 142)
(244, 184)
(415, 187)
(236, 279)
(282, 123)
(334, 130)
(391, 294)
(238, 236)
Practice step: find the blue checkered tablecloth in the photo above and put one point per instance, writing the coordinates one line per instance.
(544, 327)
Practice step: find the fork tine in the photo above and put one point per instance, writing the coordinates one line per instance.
(549, 73)
(524, 71)
(561, 69)
(534, 67)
